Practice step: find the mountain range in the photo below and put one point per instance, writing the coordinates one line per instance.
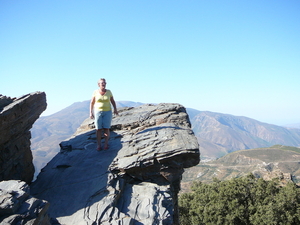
(218, 134)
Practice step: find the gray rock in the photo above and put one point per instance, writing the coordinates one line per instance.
(16, 119)
(136, 181)
(18, 207)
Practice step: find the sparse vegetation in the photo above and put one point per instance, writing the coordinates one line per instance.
(245, 200)
(263, 162)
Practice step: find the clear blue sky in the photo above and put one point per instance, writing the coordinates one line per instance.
(237, 57)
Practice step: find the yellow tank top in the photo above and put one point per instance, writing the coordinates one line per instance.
(102, 102)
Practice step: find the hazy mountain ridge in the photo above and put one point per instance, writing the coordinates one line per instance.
(219, 134)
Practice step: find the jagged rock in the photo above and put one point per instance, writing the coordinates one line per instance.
(16, 119)
(18, 207)
(136, 181)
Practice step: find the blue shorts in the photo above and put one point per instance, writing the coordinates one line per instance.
(103, 119)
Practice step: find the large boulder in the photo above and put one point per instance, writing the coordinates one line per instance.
(17, 116)
(136, 181)
(18, 207)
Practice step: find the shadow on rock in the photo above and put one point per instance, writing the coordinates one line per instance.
(79, 172)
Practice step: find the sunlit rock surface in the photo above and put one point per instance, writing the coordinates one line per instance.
(136, 181)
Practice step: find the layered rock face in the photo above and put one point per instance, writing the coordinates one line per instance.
(16, 119)
(17, 116)
(136, 181)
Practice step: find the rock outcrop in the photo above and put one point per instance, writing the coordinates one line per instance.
(16, 119)
(136, 181)
(18, 207)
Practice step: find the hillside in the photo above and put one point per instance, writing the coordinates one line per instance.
(270, 162)
(219, 134)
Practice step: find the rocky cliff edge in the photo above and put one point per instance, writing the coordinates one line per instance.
(136, 181)
(17, 116)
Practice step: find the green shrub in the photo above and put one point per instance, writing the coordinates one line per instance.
(245, 200)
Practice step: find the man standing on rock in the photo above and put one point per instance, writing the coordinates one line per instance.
(100, 110)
